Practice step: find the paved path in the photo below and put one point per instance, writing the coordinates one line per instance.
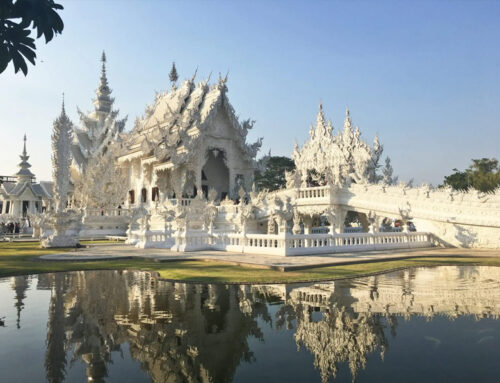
(101, 252)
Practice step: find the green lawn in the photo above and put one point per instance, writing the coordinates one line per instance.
(18, 258)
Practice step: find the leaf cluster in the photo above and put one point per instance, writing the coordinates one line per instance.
(17, 19)
(483, 175)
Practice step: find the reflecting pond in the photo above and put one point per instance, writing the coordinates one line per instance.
(424, 324)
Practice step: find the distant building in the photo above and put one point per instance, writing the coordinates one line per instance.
(20, 195)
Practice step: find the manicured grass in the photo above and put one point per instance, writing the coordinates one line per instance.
(19, 258)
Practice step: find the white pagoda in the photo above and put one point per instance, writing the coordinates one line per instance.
(99, 128)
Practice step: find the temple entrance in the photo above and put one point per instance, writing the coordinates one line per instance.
(215, 174)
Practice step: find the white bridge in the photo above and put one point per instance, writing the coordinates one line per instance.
(454, 218)
(439, 217)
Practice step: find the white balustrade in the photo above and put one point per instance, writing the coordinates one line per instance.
(181, 201)
(310, 244)
(106, 212)
(314, 192)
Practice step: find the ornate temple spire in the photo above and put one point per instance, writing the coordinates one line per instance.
(61, 158)
(347, 121)
(24, 174)
(98, 129)
(321, 129)
(103, 102)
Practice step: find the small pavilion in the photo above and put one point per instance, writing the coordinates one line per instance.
(20, 194)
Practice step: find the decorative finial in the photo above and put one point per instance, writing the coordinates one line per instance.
(24, 173)
(173, 75)
(103, 102)
(63, 109)
(320, 106)
(103, 60)
(194, 75)
(347, 114)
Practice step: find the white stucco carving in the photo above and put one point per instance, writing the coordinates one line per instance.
(99, 128)
(60, 219)
(336, 158)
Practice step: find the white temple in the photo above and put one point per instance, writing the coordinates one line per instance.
(188, 141)
(182, 179)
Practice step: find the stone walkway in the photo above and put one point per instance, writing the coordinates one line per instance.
(101, 252)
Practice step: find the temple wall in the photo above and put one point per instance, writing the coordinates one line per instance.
(455, 218)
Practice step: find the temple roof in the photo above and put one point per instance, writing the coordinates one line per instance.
(41, 190)
(177, 118)
(24, 165)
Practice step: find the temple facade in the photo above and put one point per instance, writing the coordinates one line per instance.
(188, 142)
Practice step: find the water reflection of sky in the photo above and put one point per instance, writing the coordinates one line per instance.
(426, 324)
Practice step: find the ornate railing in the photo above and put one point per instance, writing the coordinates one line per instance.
(309, 244)
(181, 201)
(314, 192)
(106, 212)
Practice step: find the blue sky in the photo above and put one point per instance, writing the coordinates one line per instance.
(423, 75)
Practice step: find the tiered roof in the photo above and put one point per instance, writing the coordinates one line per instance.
(100, 127)
(25, 180)
(24, 172)
(172, 126)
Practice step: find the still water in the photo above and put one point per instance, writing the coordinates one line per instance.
(419, 325)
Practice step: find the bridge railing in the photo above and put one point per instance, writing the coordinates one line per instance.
(314, 192)
(310, 244)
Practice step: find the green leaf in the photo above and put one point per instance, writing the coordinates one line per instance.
(19, 62)
(28, 53)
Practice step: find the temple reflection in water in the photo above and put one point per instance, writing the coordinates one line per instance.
(201, 333)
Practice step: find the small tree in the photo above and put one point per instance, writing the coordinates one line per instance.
(387, 173)
(272, 177)
(173, 75)
(482, 175)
